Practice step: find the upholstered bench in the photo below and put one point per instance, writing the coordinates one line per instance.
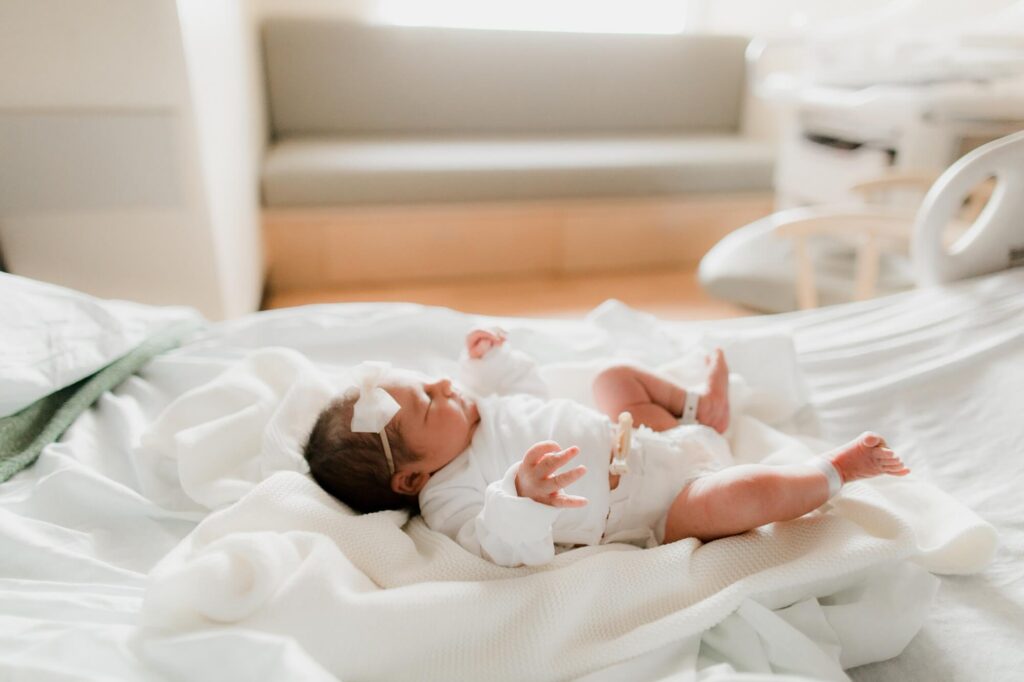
(387, 136)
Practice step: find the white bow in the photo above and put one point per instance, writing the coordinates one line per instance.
(375, 406)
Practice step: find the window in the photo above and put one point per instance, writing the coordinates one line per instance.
(590, 16)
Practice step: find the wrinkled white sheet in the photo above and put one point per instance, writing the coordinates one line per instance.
(50, 337)
(939, 372)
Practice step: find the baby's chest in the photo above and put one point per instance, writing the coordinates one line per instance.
(511, 436)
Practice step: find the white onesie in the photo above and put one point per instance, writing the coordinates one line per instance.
(473, 499)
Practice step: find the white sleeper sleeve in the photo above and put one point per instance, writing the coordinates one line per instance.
(503, 371)
(498, 525)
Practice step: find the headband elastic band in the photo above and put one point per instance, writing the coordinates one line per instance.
(387, 452)
(375, 406)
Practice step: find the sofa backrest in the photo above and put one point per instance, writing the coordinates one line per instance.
(334, 77)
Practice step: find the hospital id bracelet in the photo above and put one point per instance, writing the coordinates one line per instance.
(689, 415)
(835, 481)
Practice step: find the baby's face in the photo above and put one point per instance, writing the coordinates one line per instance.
(436, 420)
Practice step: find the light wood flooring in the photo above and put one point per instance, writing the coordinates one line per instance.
(669, 294)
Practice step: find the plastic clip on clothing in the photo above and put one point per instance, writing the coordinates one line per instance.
(623, 443)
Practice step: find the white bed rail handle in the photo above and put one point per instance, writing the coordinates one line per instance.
(996, 239)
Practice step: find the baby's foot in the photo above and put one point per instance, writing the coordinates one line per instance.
(866, 457)
(713, 409)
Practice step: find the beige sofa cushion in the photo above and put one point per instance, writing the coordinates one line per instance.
(345, 78)
(340, 170)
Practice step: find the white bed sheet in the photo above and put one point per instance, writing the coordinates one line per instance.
(938, 371)
(941, 373)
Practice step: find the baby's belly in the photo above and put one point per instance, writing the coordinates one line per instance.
(695, 448)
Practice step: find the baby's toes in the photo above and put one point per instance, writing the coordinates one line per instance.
(891, 464)
(897, 470)
(871, 439)
(882, 454)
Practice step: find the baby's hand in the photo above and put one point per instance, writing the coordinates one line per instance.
(537, 479)
(479, 342)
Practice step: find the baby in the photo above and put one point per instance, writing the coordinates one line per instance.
(487, 466)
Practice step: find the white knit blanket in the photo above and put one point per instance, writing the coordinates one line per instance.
(381, 597)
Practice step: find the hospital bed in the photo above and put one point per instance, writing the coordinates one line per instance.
(938, 370)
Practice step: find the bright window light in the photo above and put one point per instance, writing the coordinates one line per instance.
(584, 16)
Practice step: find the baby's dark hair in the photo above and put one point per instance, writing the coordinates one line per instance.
(351, 466)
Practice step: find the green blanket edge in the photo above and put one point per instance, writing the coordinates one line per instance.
(24, 434)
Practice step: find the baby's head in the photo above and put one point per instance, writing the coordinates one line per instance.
(434, 425)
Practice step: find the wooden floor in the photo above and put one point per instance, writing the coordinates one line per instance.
(669, 294)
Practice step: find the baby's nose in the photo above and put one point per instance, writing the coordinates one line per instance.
(442, 386)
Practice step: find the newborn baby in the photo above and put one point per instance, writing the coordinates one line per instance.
(488, 465)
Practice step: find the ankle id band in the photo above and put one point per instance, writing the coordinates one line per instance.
(835, 481)
(689, 415)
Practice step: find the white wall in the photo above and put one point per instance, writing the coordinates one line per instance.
(89, 53)
(120, 174)
(226, 105)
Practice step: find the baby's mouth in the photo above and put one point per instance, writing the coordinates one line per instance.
(468, 407)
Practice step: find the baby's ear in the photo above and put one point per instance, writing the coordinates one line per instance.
(409, 482)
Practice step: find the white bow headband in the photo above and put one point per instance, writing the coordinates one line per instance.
(375, 406)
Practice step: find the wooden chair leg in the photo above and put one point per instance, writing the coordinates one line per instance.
(806, 289)
(867, 268)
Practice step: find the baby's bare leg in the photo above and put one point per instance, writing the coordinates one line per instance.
(653, 401)
(658, 403)
(744, 497)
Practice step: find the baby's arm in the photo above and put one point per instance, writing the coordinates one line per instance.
(508, 522)
(489, 366)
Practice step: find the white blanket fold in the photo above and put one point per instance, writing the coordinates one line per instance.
(217, 441)
(369, 600)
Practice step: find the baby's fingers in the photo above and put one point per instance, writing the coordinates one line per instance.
(560, 499)
(554, 461)
(566, 479)
(538, 451)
